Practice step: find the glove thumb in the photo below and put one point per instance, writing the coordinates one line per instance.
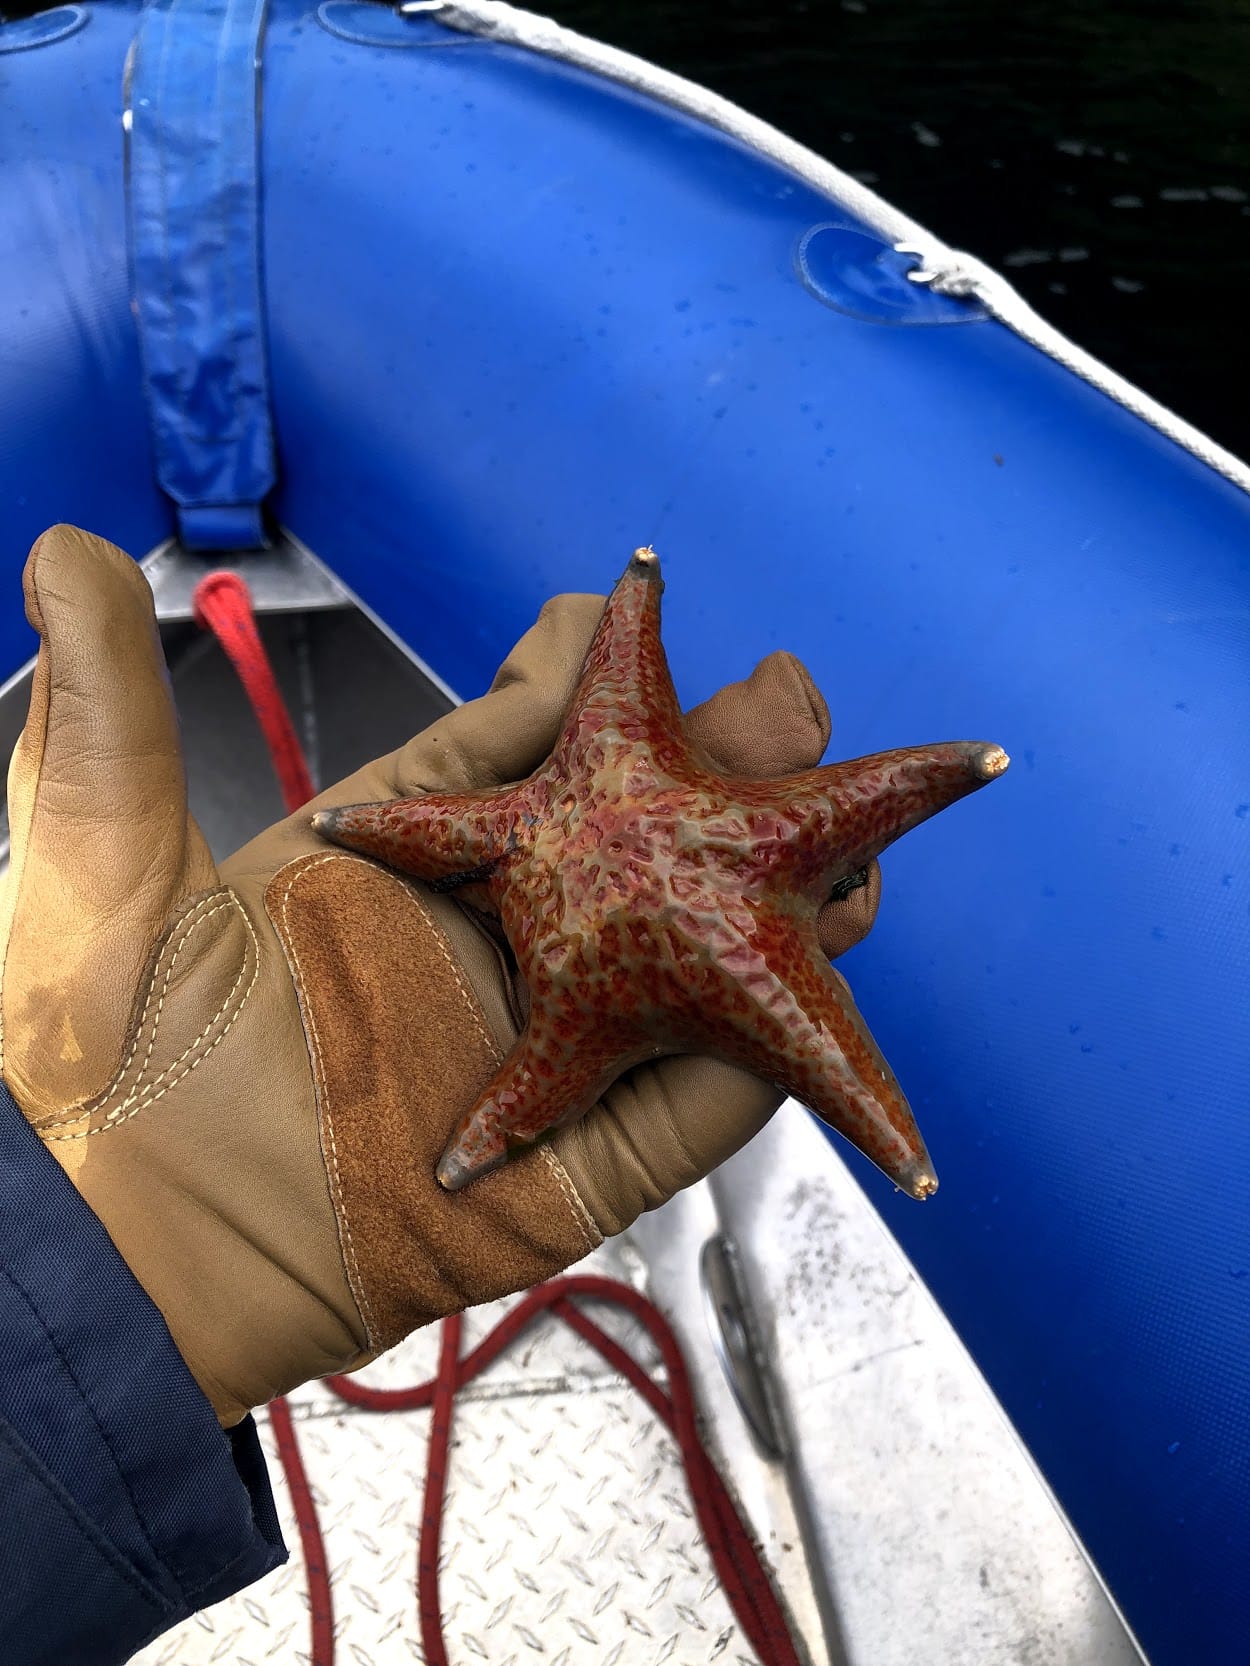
(101, 844)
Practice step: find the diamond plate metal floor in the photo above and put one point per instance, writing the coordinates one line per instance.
(569, 1535)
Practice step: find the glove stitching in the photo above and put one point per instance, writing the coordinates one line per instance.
(466, 993)
(142, 1092)
(228, 901)
(205, 910)
(591, 1236)
(327, 1116)
(115, 1120)
(577, 1208)
(212, 904)
(117, 1115)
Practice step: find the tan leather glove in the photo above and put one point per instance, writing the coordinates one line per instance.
(249, 1072)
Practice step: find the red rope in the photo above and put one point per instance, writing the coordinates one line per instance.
(429, 1604)
(734, 1555)
(222, 604)
(311, 1541)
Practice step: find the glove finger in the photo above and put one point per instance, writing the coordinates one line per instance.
(773, 723)
(96, 781)
(657, 1131)
(102, 846)
(507, 733)
(845, 921)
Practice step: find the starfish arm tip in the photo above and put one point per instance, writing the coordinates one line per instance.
(645, 559)
(452, 1173)
(342, 823)
(990, 761)
(466, 1158)
(919, 1181)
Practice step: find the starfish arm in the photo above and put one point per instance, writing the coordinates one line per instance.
(547, 1079)
(786, 1015)
(858, 1094)
(440, 838)
(856, 809)
(625, 689)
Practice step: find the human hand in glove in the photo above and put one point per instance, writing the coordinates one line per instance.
(249, 1071)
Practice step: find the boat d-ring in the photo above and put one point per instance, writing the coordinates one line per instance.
(411, 23)
(854, 271)
(921, 273)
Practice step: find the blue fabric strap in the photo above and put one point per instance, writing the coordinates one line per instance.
(126, 1507)
(194, 205)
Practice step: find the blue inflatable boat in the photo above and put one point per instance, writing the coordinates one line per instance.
(468, 307)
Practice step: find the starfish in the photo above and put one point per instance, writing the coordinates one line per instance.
(656, 905)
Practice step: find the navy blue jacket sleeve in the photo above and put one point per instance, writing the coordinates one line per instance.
(123, 1505)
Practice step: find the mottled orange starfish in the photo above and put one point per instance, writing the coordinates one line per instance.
(657, 906)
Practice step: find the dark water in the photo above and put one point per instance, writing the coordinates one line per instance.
(1098, 154)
